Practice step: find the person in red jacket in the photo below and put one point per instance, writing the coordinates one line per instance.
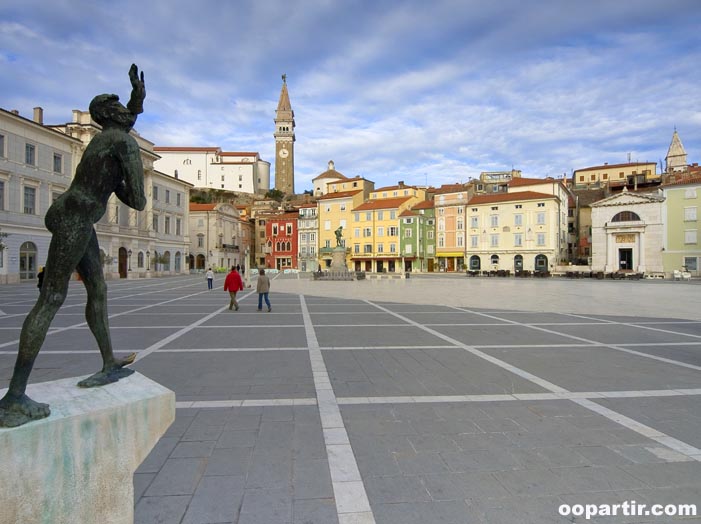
(233, 284)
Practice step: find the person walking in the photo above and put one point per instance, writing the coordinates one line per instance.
(210, 278)
(263, 288)
(40, 278)
(233, 284)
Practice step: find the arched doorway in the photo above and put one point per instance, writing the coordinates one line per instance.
(494, 261)
(122, 262)
(28, 261)
(200, 262)
(166, 261)
(541, 263)
(518, 263)
(176, 262)
(191, 262)
(475, 264)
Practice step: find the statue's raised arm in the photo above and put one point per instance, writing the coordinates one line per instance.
(138, 91)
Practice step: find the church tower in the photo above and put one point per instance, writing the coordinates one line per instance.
(284, 143)
(676, 155)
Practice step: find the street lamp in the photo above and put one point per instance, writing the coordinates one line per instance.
(148, 260)
(129, 254)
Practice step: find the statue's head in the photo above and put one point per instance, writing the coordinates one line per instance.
(107, 111)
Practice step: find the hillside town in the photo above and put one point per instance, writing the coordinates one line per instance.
(209, 208)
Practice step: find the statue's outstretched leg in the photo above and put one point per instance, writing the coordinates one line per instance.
(16, 408)
(90, 270)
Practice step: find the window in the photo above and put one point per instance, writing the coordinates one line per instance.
(312, 237)
(356, 249)
(540, 239)
(518, 239)
(460, 224)
(540, 218)
(155, 223)
(380, 215)
(356, 217)
(429, 250)
(167, 196)
(625, 216)
(494, 240)
(2, 146)
(541, 204)
(367, 248)
(690, 263)
(178, 226)
(408, 249)
(494, 220)
(327, 243)
(518, 219)
(460, 209)
(2, 195)
(407, 233)
(367, 232)
(30, 154)
(199, 174)
(166, 226)
(393, 248)
(58, 163)
(392, 231)
(441, 211)
(474, 222)
(581, 178)
(441, 241)
(690, 193)
(392, 215)
(689, 214)
(274, 228)
(155, 192)
(312, 250)
(178, 200)
(222, 179)
(30, 196)
(460, 240)
(288, 229)
(356, 232)
(380, 231)
(441, 224)
(368, 216)
(519, 206)
(380, 248)
(327, 225)
(343, 207)
(328, 208)
(430, 235)
(474, 241)
(690, 236)
(303, 237)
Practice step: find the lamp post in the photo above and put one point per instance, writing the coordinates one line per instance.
(148, 260)
(129, 255)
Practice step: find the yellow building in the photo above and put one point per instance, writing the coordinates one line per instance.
(513, 232)
(631, 174)
(335, 210)
(375, 228)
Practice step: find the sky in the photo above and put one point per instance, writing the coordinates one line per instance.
(426, 92)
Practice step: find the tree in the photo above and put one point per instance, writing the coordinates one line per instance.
(2, 237)
(275, 194)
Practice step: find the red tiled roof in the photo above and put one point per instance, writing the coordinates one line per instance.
(689, 180)
(425, 204)
(340, 194)
(519, 182)
(381, 203)
(408, 213)
(285, 216)
(186, 149)
(605, 166)
(509, 197)
(304, 206)
(202, 207)
(331, 173)
(450, 188)
(393, 188)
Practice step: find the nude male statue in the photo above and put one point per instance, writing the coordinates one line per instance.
(111, 163)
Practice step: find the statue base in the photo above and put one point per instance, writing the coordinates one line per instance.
(77, 465)
(338, 259)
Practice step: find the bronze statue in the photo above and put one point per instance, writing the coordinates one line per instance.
(111, 163)
(339, 236)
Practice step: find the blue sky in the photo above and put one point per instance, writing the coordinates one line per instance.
(417, 91)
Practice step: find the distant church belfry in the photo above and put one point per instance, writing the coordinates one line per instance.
(676, 155)
(284, 143)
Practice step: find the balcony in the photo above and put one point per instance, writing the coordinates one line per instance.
(230, 247)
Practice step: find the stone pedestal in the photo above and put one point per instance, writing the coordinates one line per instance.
(338, 259)
(77, 465)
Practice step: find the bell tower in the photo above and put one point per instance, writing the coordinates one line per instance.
(284, 143)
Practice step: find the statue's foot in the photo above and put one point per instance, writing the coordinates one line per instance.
(15, 411)
(110, 373)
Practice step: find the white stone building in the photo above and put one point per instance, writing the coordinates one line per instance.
(219, 237)
(36, 165)
(212, 168)
(307, 229)
(628, 232)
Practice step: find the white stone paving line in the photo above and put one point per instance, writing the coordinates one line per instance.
(352, 504)
(81, 324)
(265, 402)
(616, 347)
(666, 440)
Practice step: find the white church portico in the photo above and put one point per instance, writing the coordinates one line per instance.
(627, 233)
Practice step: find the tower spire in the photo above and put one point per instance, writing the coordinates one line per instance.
(676, 154)
(284, 142)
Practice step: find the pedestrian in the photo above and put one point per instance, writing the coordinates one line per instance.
(40, 278)
(238, 268)
(263, 288)
(233, 284)
(210, 278)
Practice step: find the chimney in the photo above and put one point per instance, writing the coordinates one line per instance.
(401, 183)
(14, 112)
(39, 115)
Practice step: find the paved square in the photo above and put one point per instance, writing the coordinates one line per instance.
(430, 400)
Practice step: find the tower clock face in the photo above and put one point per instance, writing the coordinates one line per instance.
(284, 153)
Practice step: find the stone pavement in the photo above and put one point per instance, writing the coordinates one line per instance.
(350, 404)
